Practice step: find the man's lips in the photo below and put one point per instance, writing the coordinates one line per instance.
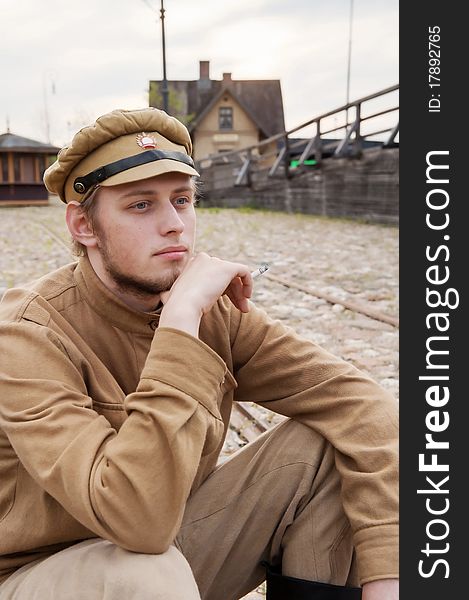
(172, 252)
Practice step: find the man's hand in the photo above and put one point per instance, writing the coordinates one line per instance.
(383, 589)
(199, 286)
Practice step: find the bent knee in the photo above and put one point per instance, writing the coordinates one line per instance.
(301, 443)
(137, 576)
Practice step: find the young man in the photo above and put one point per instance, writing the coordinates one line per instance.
(118, 375)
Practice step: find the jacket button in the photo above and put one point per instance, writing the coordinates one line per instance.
(153, 324)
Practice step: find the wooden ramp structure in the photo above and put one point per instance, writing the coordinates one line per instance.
(344, 164)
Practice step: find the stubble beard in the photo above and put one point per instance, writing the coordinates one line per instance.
(140, 287)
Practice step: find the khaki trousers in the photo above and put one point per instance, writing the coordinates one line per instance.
(276, 500)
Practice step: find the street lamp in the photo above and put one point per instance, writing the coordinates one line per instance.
(47, 77)
(164, 89)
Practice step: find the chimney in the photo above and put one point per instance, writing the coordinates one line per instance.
(204, 69)
(226, 77)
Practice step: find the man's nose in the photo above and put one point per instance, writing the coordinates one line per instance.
(169, 221)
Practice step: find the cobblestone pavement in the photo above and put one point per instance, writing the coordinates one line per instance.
(348, 260)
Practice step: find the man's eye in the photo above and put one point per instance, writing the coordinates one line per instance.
(181, 201)
(141, 205)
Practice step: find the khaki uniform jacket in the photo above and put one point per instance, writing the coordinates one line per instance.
(107, 422)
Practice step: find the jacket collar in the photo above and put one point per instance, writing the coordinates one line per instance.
(109, 306)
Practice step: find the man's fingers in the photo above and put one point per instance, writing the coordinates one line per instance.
(246, 280)
(206, 278)
(164, 296)
(237, 292)
(241, 304)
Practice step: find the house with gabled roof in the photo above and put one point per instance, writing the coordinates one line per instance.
(224, 115)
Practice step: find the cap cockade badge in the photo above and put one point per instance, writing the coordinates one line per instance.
(146, 141)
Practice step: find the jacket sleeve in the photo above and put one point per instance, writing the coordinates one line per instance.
(128, 487)
(294, 377)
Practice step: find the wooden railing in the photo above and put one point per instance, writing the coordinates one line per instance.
(353, 123)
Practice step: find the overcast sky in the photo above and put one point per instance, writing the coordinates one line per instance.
(65, 63)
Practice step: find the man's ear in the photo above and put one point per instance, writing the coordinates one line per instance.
(79, 225)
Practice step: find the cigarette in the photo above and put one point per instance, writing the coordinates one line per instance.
(262, 269)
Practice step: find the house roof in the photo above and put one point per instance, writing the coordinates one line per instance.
(261, 99)
(10, 142)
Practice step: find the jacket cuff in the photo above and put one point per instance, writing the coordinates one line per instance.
(377, 552)
(187, 364)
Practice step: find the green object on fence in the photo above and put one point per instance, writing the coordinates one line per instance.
(295, 163)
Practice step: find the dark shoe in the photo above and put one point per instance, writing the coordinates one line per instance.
(281, 587)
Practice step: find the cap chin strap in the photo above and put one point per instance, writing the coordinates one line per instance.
(82, 184)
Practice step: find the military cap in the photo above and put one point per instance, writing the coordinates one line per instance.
(120, 147)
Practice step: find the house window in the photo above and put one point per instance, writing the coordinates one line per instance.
(28, 171)
(41, 163)
(225, 117)
(16, 167)
(4, 168)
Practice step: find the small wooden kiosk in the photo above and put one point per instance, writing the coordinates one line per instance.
(22, 165)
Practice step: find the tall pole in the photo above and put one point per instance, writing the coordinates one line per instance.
(349, 56)
(46, 107)
(164, 90)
